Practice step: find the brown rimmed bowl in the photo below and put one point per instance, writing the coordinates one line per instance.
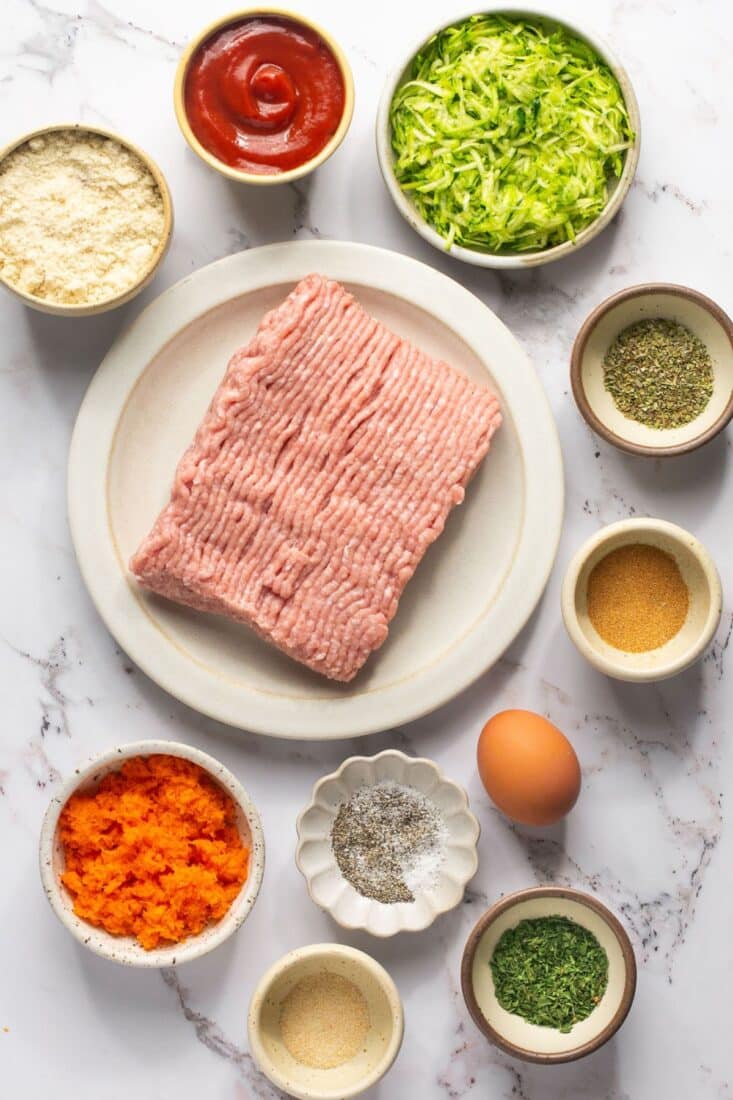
(87, 309)
(515, 1035)
(256, 178)
(651, 300)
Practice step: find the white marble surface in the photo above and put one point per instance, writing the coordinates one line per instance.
(648, 833)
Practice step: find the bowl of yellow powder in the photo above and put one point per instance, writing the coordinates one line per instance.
(642, 599)
(85, 219)
(325, 1022)
(152, 854)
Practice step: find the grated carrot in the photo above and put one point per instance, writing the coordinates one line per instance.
(154, 852)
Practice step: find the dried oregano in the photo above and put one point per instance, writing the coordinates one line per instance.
(659, 373)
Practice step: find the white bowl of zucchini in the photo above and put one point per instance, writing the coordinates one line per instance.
(508, 138)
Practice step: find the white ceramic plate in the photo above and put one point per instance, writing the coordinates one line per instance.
(470, 596)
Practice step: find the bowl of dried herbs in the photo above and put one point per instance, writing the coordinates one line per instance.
(652, 369)
(548, 974)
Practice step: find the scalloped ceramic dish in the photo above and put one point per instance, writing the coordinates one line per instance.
(326, 884)
(125, 949)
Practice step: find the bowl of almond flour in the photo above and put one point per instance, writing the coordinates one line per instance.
(85, 219)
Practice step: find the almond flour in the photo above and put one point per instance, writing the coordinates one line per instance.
(81, 218)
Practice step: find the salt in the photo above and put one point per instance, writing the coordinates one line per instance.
(389, 841)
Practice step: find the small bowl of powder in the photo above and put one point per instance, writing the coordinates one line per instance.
(387, 843)
(652, 369)
(642, 599)
(85, 219)
(325, 1022)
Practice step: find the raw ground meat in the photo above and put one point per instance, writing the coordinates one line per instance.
(328, 461)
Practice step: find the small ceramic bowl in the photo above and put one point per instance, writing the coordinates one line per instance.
(618, 189)
(125, 949)
(383, 1039)
(87, 310)
(262, 179)
(326, 884)
(516, 1035)
(699, 573)
(651, 300)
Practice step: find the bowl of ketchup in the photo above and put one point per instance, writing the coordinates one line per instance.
(264, 95)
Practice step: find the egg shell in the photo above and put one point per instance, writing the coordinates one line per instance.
(528, 767)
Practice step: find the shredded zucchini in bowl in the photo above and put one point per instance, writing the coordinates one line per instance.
(506, 134)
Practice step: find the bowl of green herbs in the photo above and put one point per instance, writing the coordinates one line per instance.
(652, 369)
(508, 138)
(548, 974)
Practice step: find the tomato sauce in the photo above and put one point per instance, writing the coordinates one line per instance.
(264, 95)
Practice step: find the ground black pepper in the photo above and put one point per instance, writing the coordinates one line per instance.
(388, 840)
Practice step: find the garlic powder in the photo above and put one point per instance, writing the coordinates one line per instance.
(81, 218)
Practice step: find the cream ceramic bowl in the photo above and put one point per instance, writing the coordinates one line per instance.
(124, 949)
(327, 886)
(260, 179)
(651, 300)
(516, 1035)
(699, 573)
(383, 1039)
(86, 310)
(618, 189)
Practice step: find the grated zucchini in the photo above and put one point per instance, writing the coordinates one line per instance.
(506, 134)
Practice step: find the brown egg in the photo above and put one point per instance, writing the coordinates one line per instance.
(528, 767)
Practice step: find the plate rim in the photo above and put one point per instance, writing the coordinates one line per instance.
(95, 429)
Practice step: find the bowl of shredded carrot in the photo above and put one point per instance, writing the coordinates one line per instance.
(152, 854)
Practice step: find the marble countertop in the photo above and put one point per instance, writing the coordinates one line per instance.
(647, 835)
